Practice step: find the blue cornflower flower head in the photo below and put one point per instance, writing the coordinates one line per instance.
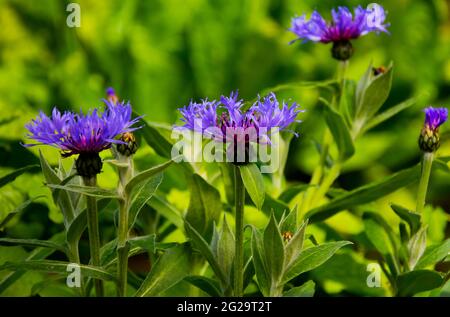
(199, 116)
(83, 134)
(344, 27)
(429, 140)
(229, 119)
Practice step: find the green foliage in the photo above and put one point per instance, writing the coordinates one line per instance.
(356, 131)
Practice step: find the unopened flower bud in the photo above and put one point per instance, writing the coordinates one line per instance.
(129, 147)
(429, 140)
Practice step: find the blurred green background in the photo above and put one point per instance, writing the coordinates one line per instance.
(161, 53)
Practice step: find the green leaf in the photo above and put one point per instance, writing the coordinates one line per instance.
(254, 183)
(155, 139)
(311, 258)
(140, 195)
(365, 194)
(412, 218)
(273, 250)
(79, 223)
(434, 254)
(225, 248)
(17, 210)
(172, 267)
(373, 92)
(205, 250)
(258, 256)
(208, 285)
(295, 245)
(340, 132)
(147, 242)
(36, 254)
(377, 234)
(63, 199)
(33, 243)
(416, 246)
(8, 178)
(144, 176)
(414, 282)
(59, 267)
(204, 207)
(386, 115)
(361, 87)
(163, 207)
(87, 190)
(228, 181)
(289, 222)
(305, 290)
(347, 101)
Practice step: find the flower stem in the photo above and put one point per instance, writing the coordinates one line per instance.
(332, 175)
(427, 162)
(94, 235)
(239, 191)
(122, 249)
(125, 174)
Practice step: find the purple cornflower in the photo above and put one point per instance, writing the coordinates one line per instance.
(343, 27)
(82, 133)
(226, 119)
(429, 140)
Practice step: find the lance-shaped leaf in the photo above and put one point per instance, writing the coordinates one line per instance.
(225, 248)
(412, 218)
(79, 223)
(33, 243)
(87, 190)
(200, 243)
(172, 267)
(17, 210)
(142, 177)
(411, 283)
(305, 290)
(295, 245)
(311, 258)
(63, 200)
(273, 250)
(340, 132)
(254, 183)
(57, 267)
(434, 254)
(416, 246)
(8, 178)
(259, 263)
(372, 92)
(204, 207)
(140, 195)
(208, 285)
(365, 194)
(36, 254)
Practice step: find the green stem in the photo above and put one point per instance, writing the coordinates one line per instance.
(125, 174)
(94, 235)
(316, 177)
(122, 249)
(239, 191)
(427, 162)
(332, 175)
(74, 257)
